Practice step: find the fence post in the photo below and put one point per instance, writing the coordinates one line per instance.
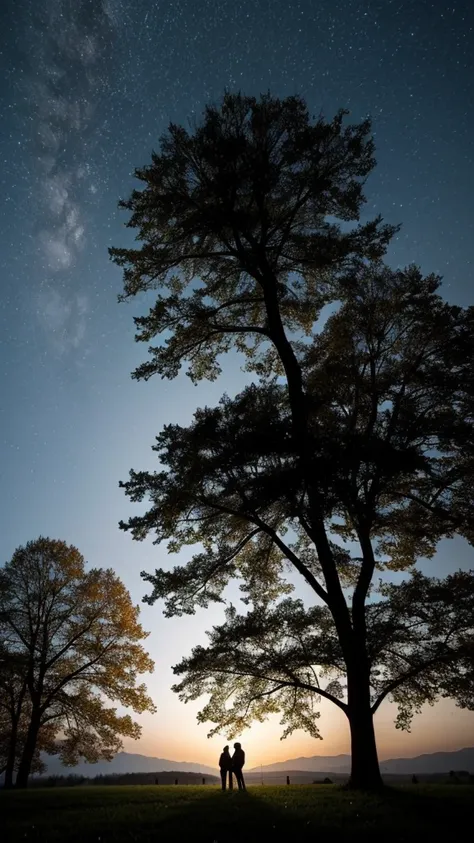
(287, 779)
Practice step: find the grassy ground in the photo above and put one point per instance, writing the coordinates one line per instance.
(302, 813)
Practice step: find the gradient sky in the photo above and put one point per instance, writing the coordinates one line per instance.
(88, 87)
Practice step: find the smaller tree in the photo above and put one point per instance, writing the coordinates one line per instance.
(71, 641)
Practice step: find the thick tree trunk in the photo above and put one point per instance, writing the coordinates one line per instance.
(365, 770)
(8, 781)
(28, 752)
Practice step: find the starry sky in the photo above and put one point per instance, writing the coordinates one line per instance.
(88, 86)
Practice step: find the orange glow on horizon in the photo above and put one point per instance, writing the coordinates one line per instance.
(442, 728)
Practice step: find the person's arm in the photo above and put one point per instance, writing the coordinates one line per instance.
(243, 758)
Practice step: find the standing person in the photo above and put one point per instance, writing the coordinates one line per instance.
(225, 764)
(238, 761)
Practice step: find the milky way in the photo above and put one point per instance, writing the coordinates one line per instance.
(65, 75)
(91, 84)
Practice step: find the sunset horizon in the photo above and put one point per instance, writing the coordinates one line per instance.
(391, 744)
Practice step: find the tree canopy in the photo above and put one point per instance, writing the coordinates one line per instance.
(352, 453)
(250, 196)
(391, 443)
(72, 641)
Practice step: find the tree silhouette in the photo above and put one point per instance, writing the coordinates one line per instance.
(71, 640)
(353, 454)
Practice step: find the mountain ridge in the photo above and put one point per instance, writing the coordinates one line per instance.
(126, 762)
(434, 762)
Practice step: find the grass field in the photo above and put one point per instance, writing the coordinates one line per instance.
(297, 813)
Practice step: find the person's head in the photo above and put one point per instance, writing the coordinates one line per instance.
(237, 746)
(226, 748)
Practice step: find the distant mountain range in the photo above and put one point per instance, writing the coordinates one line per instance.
(314, 764)
(124, 762)
(436, 762)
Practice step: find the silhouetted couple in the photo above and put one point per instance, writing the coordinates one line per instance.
(232, 765)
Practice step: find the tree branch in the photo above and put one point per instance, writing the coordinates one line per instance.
(253, 518)
(406, 676)
(304, 686)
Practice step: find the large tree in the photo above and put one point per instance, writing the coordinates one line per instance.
(71, 640)
(359, 435)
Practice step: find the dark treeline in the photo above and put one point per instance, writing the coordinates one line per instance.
(301, 778)
(165, 778)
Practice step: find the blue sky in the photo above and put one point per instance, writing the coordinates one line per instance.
(89, 87)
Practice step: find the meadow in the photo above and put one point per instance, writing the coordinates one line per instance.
(204, 813)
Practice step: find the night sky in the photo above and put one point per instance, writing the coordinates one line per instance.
(88, 86)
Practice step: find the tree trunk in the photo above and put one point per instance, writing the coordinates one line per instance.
(365, 771)
(28, 751)
(10, 766)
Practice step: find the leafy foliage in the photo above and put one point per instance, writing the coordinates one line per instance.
(246, 196)
(419, 642)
